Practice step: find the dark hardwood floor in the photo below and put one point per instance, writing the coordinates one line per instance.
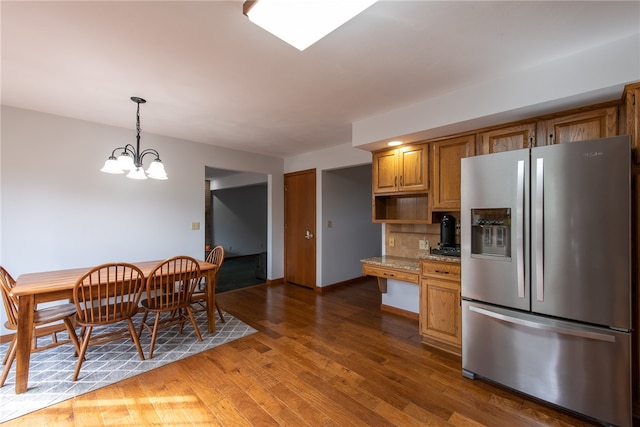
(319, 359)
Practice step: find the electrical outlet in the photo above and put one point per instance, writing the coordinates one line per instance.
(424, 244)
(392, 242)
(195, 225)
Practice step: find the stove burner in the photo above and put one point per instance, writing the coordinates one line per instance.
(447, 251)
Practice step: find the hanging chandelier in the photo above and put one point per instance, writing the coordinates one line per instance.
(130, 158)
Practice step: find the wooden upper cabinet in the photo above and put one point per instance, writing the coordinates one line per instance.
(401, 170)
(508, 138)
(445, 194)
(593, 124)
(413, 168)
(631, 125)
(385, 172)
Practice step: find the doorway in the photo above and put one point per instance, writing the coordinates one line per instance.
(300, 228)
(236, 219)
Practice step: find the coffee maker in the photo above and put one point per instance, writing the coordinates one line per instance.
(448, 231)
(448, 245)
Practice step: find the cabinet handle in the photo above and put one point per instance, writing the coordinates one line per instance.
(443, 272)
(401, 184)
(544, 327)
(520, 228)
(550, 138)
(395, 181)
(539, 229)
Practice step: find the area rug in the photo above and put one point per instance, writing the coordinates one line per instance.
(51, 370)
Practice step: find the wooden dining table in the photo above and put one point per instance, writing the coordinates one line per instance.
(34, 288)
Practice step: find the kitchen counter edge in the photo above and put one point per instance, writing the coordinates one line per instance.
(410, 264)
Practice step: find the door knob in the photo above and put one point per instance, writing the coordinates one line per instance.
(308, 235)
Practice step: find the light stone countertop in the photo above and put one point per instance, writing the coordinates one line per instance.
(445, 258)
(410, 264)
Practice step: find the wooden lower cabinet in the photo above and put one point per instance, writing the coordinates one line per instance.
(440, 309)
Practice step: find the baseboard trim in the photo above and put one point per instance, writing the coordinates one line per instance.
(279, 281)
(337, 285)
(400, 312)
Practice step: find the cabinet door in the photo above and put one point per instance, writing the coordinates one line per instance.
(447, 154)
(632, 118)
(440, 316)
(599, 123)
(508, 138)
(385, 171)
(412, 164)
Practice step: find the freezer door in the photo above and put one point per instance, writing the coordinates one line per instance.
(494, 228)
(581, 368)
(581, 231)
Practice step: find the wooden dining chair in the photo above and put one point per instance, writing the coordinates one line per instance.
(169, 288)
(199, 297)
(106, 295)
(45, 323)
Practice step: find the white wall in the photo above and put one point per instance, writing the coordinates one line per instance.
(346, 202)
(59, 211)
(240, 219)
(578, 79)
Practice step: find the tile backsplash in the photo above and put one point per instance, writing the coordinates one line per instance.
(403, 240)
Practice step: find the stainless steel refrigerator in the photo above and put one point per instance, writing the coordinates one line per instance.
(546, 274)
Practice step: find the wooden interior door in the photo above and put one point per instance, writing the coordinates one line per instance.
(300, 228)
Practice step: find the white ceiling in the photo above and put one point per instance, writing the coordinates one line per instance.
(210, 75)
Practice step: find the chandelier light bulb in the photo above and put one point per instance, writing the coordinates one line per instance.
(156, 170)
(125, 161)
(111, 166)
(137, 173)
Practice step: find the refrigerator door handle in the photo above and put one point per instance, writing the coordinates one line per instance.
(520, 228)
(539, 238)
(545, 327)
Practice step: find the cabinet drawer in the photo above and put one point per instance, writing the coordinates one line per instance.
(390, 273)
(443, 270)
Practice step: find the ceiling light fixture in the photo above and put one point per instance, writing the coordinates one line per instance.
(301, 23)
(394, 143)
(130, 159)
